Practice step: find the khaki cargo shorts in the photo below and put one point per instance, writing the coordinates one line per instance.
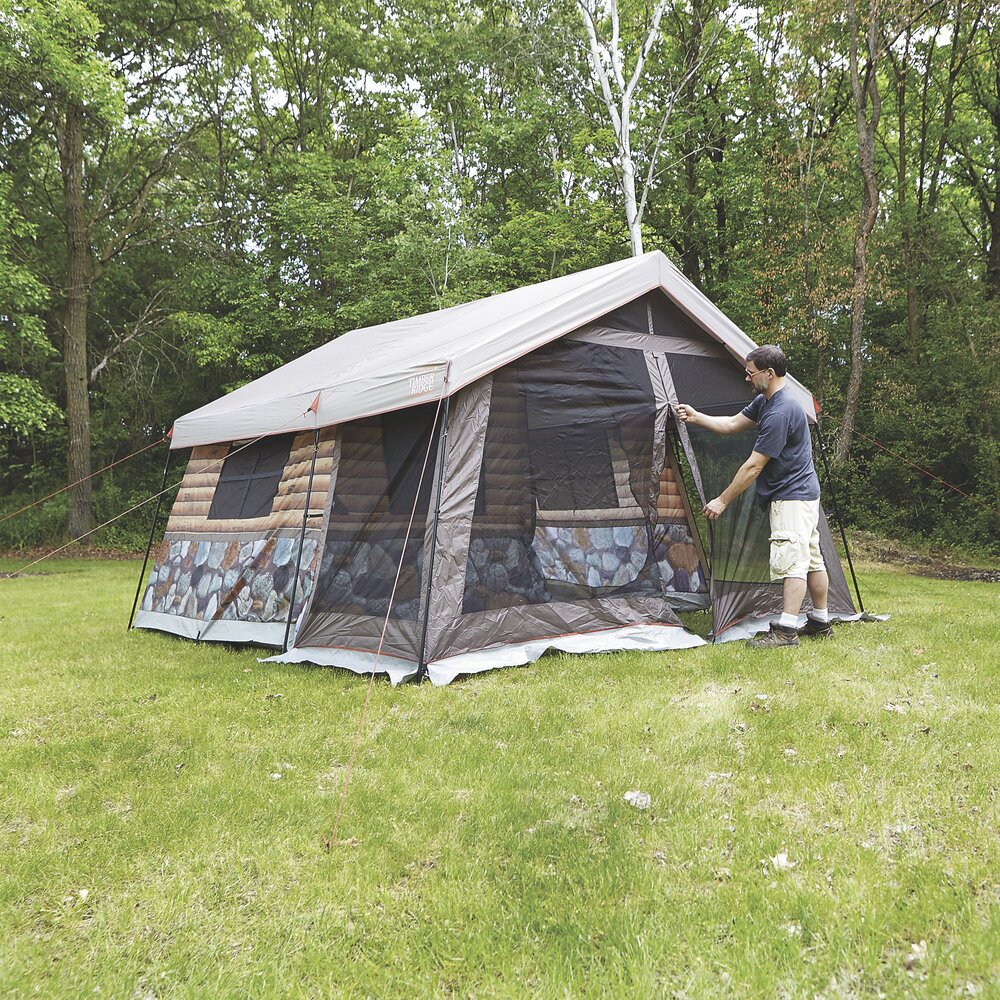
(795, 539)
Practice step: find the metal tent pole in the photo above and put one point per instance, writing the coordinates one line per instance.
(149, 544)
(429, 568)
(836, 514)
(302, 542)
(711, 573)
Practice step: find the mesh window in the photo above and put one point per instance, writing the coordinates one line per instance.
(248, 482)
(569, 454)
(381, 460)
(566, 486)
(405, 434)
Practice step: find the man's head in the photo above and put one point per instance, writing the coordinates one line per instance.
(769, 356)
(763, 364)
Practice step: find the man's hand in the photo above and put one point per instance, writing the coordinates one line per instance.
(714, 508)
(688, 413)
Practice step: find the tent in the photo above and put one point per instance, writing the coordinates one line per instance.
(465, 489)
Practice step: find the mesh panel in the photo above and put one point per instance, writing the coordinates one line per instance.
(563, 510)
(381, 460)
(678, 550)
(740, 538)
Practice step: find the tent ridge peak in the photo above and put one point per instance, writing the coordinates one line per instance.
(366, 370)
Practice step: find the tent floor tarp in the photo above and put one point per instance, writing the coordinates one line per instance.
(647, 638)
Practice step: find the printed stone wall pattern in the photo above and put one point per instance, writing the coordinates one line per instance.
(502, 572)
(247, 581)
(357, 578)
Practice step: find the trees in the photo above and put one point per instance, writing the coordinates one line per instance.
(618, 94)
(191, 195)
(94, 134)
(619, 51)
(57, 78)
(867, 97)
(976, 139)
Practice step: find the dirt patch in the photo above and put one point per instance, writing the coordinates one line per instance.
(932, 565)
(72, 552)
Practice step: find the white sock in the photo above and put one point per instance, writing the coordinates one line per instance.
(788, 621)
(819, 615)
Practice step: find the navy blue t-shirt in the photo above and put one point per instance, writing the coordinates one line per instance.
(783, 435)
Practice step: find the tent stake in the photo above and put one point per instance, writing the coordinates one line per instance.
(836, 514)
(442, 448)
(149, 544)
(302, 542)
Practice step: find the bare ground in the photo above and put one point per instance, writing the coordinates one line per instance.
(937, 563)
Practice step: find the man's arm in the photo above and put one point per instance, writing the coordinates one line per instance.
(721, 425)
(745, 476)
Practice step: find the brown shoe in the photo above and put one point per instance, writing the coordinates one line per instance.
(778, 636)
(816, 630)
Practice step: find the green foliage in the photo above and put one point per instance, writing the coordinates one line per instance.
(42, 526)
(260, 176)
(24, 405)
(55, 43)
(932, 414)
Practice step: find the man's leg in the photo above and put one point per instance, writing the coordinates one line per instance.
(817, 625)
(819, 586)
(789, 555)
(792, 593)
(784, 632)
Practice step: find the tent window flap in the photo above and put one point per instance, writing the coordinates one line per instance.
(248, 482)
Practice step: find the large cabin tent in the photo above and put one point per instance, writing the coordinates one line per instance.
(470, 487)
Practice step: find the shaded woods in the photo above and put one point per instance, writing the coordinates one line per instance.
(194, 193)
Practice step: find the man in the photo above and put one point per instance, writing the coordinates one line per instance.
(781, 465)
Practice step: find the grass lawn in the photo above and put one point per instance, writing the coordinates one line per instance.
(824, 821)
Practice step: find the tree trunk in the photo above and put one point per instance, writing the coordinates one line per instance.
(617, 97)
(992, 289)
(993, 201)
(864, 93)
(717, 154)
(631, 202)
(902, 69)
(690, 260)
(69, 134)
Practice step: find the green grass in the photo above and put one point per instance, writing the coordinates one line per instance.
(146, 850)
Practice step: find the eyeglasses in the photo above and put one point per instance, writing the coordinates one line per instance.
(751, 374)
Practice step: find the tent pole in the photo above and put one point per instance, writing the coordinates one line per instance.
(711, 574)
(149, 544)
(836, 514)
(302, 542)
(442, 449)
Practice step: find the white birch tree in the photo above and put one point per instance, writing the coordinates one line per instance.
(618, 91)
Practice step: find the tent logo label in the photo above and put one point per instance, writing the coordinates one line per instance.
(419, 384)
